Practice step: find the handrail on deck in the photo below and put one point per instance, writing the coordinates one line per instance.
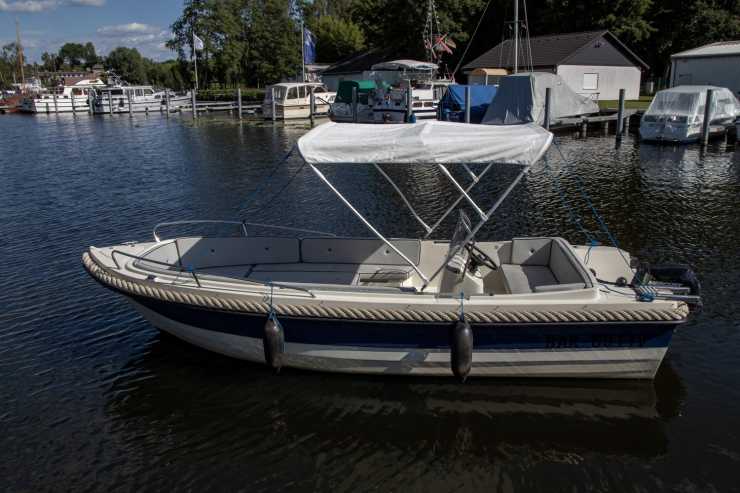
(243, 225)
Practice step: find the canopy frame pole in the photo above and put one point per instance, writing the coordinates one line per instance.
(454, 204)
(403, 197)
(473, 176)
(470, 200)
(367, 223)
(478, 226)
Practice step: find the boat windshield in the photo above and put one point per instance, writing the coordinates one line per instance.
(279, 92)
(674, 103)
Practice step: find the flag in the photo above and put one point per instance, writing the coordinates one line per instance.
(309, 46)
(197, 43)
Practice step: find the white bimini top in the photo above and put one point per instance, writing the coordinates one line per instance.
(429, 142)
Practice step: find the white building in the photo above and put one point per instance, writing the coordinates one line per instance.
(593, 63)
(716, 64)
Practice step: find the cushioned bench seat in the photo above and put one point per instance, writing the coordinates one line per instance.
(348, 274)
(542, 265)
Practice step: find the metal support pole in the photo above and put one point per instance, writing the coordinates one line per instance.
(457, 201)
(110, 103)
(167, 101)
(274, 104)
(706, 125)
(130, 105)
(354, 105)
(239, 101)
(548, 106)
(463, 192)
(311, 104)
(405, 200)
(467, 104)
(620, 115)
(409, 102)
(367, 223)
(195, 106)
(475, 230)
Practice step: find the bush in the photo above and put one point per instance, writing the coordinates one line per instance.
(249, 95)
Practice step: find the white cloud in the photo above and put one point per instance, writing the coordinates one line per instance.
(35, 6)
(125, 30)
(31, 6)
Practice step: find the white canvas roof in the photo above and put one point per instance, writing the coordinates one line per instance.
(429, 142)
(521, 98)
(404, 65)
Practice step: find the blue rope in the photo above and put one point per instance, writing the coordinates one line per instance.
(589, 202)
(262, 184)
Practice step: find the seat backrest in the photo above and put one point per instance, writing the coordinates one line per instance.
(203, 253)
(530, 251)
(565, 268)
(358, 251)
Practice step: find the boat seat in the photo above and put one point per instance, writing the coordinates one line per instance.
(358, 251)
(349, 274)
(542, 265)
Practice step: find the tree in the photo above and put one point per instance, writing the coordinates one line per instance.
(336, 38)
(128, 64)
(89, 55)
(50, 62)
(72, 54)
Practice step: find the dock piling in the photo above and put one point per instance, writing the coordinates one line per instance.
(167, 101)
(706, 124)
(354, 105)
(195, 106)
(311, 104)
(620, 115)
(74, 110)
(110, 103)
(409, 102)
(130, 105)
(56, 105)
(239, 101)
(274, 104)
(548, 105)
(467, 104)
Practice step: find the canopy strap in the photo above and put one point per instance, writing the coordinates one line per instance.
(367, 223)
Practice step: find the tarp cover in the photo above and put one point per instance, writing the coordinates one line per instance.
(405, 65)
(521, 99)
(686, 104)
(425, 142)
(453, 102)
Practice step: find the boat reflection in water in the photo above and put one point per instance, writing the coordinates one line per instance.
(191, 406)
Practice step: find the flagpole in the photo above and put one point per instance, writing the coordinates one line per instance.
(195, 61)
(303, 52)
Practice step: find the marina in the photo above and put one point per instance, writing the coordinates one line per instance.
(93, 371)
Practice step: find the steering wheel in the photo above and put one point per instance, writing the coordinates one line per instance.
(479, 257)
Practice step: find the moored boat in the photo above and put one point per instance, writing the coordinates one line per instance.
(292, 100)
(65, 99)
(525, 307)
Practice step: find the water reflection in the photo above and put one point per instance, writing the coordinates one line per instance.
(180, 399)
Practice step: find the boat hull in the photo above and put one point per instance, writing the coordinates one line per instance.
(581, 350)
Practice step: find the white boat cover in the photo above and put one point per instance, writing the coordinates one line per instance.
(521, 99)
(428, 142)
(405, 65)
(686, 103)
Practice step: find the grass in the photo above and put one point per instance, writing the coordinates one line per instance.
(639, 104)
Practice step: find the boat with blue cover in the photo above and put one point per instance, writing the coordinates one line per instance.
(520, 307)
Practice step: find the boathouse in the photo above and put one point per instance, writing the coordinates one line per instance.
(593, 63)
(715, 64)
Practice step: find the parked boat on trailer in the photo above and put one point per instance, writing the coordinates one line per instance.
(524, 307)
(293, 100)
(677, 114)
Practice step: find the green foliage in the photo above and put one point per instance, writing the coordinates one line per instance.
(336, 38)
(128, 64)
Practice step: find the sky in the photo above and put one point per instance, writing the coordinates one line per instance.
(47, 24)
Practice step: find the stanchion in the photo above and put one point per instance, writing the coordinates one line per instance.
(620, 115)
(467, 104)
(706, 125)
(548, 107)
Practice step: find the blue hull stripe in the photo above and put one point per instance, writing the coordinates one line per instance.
(372, 334)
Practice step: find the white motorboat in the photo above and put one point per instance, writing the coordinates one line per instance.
(293, 100)
(66, 99)
(525, 307)
(121, 97)
(677, 114)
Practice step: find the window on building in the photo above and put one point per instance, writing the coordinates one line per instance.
(590, 81)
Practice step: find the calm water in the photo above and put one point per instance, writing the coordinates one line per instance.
(93, 398)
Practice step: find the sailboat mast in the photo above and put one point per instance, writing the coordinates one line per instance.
(19, 50)
(516, 36)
